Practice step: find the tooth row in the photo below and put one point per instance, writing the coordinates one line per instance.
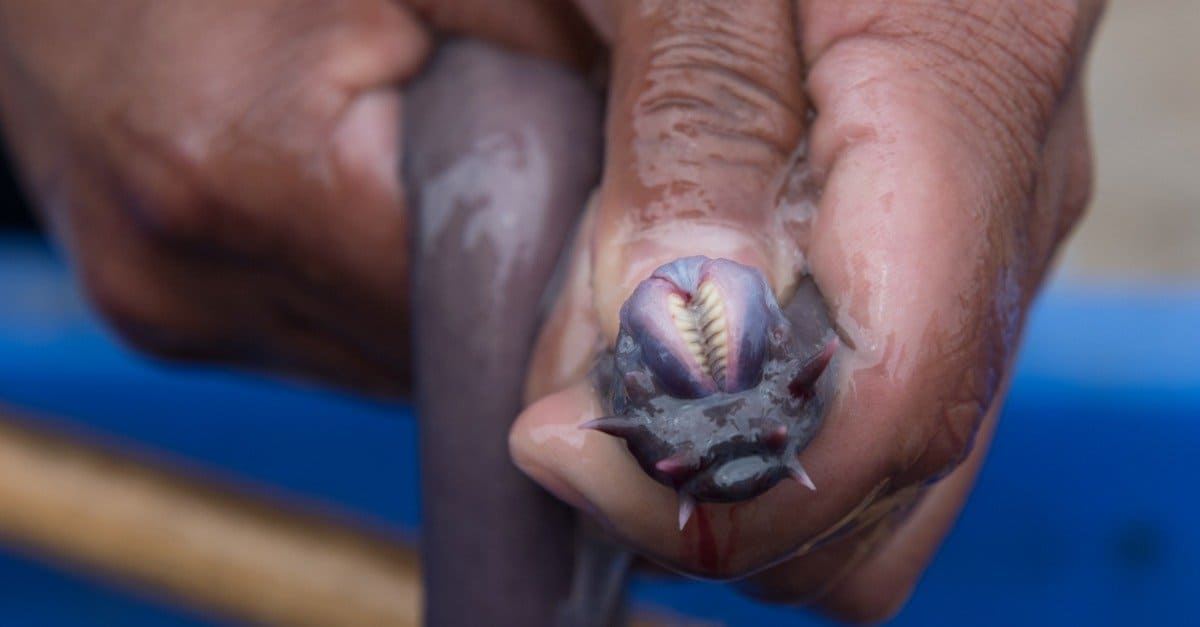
(685, 322)
(711, 314)
(702, 326)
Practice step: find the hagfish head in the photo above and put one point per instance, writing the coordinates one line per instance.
(710, 389)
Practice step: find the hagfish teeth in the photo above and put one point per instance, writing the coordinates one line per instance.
(618, 426)
(687, 505)
(799, 474)
(711, 387)
(702, 325)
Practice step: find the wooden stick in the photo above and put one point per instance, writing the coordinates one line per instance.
(265, 564)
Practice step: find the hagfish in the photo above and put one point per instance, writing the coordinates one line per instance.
(713, 386)
(501, 152)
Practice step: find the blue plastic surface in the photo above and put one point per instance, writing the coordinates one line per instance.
(1082, 514)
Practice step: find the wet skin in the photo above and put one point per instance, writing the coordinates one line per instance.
(501, 154)
(227, 191)
(518, 162)
(926, 236)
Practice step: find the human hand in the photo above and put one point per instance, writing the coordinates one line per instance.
(947, 159)
(224, 175)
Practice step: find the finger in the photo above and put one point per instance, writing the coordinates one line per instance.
(245, 158)
(706, 109)
(887, 566)
(309, 126)
(867, 575)
(706, 113)
(570, 336)
(911, 147)
(921, 245)
(884, 571)
(179, 307)
(305, 185)
(199, 246)
(934, 319)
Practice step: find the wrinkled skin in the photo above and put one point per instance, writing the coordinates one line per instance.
(226, 191)
(223, 174)
(947, 158)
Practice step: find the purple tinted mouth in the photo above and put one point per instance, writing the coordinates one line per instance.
(709, 385)
(702, 325)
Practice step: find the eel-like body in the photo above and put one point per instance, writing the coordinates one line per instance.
(501, 152)
(714, 386)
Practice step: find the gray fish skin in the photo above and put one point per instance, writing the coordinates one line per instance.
(501, 152)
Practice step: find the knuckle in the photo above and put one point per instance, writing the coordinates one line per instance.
(169, 188)
(119, 302)
(115, 293)
(128, 302)
(178, 217)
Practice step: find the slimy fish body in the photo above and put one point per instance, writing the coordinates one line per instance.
(501, 153)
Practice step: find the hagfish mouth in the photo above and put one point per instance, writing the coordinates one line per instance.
(709, 386)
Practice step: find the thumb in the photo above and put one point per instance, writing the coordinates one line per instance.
(706, 114)
(706, 111)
